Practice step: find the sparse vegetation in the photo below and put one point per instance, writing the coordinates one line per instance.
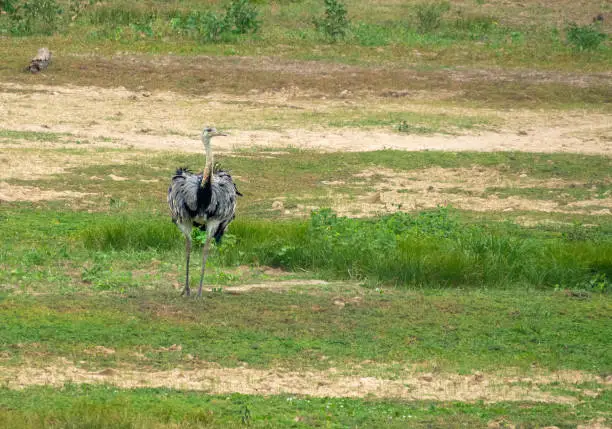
(434, 28)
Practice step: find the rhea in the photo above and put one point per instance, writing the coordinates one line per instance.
(206, 201)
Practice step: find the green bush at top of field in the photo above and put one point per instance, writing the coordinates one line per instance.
(334, 23)
(34, 16)
(240, 18)
(434, 28)
(46, 16)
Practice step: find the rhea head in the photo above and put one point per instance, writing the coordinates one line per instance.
(209, 132)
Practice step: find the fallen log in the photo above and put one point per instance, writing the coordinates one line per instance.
(40, 61)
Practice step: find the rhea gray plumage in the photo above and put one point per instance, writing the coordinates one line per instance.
(207, 201)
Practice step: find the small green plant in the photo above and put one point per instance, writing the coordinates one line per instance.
(245, 416)
(208, 26)
(584, 37)
(7, 6)
(241, 17)
(405, 127)
(92, 274)
(429, 16)
(77, 7)
(198, 236)
(598, 283)
(334, 24)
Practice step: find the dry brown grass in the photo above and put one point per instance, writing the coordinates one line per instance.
(330, 383)
(203, 75)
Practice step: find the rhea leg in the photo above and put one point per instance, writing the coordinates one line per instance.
(211, 229)
(186, 290)
(186, 229)
(205, 251)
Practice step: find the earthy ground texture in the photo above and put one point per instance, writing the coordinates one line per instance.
(490, 388)
(168, 121)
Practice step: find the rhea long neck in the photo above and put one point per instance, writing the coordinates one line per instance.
(208, 168)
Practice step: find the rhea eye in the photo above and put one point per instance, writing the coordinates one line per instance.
(209, 130)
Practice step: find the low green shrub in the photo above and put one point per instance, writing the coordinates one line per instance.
(429, 15)
(584, 37)
(240, 18)
(371, 34)
(334, 23)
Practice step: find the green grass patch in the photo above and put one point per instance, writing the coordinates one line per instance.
(30, 135)
(130, 233)
(551, 330)
(431, 249)
(446, 34)
(108, 407)
(561, 195)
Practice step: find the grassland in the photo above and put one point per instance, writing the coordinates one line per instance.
(162, 408)
(91, 287)
(424, 240)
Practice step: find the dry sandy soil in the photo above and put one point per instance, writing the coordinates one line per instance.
(330, 383)
(168, 121)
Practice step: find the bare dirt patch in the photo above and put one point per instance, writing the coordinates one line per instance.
(38, 164)
(278, 286)
(599, 423)
(212, 379)
(100, 350)
(460, 187)
(475, 179)
(168, 121)
(25, 165)
(31, 193)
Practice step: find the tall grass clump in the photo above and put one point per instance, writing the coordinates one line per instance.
(33, 17)
(118, 14)
(429, 15)
(474, 27)
(431, 248)
(130, 234)
(428, 249)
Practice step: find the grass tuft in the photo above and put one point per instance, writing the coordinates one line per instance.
(130, 234)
